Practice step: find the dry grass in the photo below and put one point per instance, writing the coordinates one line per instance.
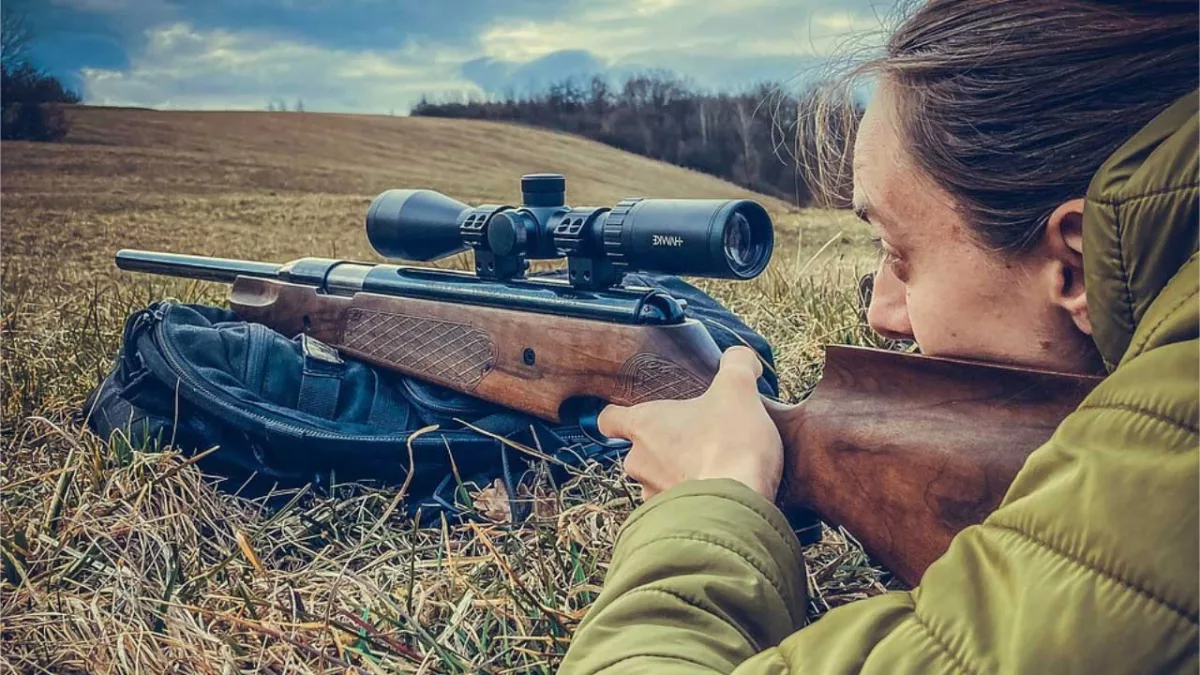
(118, 561)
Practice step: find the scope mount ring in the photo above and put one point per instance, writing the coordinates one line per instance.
(473, 228)
(489, 264)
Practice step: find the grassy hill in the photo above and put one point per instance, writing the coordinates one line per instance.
(94, 542)
(357, 154)
(287, 184)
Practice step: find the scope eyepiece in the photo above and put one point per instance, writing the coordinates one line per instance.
(698, 237)
(695, 237)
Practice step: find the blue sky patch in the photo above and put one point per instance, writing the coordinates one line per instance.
(381, 56)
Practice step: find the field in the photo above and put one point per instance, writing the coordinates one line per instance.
(118, 562)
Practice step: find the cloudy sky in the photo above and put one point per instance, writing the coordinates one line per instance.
(378, 56)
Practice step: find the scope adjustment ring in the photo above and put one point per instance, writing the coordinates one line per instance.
(614, 228)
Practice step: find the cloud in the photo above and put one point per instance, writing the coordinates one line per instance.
(716, 43)
(342, 24)
(381, 55)
(111, 34)
(622, 29)
(497, 76)
(182, 67)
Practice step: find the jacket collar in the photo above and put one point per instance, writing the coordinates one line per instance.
(1140, 224)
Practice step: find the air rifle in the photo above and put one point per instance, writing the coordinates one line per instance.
(902, 450)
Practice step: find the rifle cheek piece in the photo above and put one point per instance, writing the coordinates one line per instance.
(730, 239)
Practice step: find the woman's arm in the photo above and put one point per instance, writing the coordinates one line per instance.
(707, 573)
(703, 577)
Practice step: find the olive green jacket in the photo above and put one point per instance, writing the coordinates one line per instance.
(1089, 565)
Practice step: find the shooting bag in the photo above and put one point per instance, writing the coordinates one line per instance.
(288, 411)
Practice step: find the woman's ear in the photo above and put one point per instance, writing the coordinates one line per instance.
(1063, 241)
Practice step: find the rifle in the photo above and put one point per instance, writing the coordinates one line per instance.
(902, 450)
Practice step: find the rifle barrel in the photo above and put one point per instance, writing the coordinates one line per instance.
(631, 304)
(194, 266)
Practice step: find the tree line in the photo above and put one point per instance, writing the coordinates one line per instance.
(280, 105)
(748, 138)
(30, 100)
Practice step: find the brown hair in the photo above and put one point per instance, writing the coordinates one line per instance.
(1011, 106)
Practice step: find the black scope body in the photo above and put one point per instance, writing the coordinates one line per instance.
(730, 238)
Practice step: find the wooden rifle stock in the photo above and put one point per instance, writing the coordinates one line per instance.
(523, 360)
(902, 450)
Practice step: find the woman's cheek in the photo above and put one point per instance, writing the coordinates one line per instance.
(933, 323)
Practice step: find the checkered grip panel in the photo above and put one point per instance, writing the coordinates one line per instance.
(456, 354)
(646, 377)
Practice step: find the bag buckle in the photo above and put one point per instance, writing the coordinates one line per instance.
(315, 349)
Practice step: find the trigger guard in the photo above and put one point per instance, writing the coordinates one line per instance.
(589, 424)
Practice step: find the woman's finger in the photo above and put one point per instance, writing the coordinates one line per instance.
(632, 464)
(615, 421)
(739, 365)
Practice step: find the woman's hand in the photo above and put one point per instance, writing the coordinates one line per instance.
(723, 433)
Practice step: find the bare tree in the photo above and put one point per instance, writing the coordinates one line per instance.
(744, 137)
(748, 162)
(15, 36)
(299, 107)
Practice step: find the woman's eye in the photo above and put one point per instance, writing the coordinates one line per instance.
(886, 255)
(890, 259)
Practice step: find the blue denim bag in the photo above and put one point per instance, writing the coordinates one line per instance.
(287, 412)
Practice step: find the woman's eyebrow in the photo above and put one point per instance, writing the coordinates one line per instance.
(867, 212)
(861, 206)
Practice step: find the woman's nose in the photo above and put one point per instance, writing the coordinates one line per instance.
(888, 311)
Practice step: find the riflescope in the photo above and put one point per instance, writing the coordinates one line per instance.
(730, 238)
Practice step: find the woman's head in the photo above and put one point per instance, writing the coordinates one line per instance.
(987, 123)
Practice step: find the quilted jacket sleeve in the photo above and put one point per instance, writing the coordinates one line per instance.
(703, 576)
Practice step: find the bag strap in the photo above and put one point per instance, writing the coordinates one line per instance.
(321, 380)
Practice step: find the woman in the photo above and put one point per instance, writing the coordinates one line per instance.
(1030, 168)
